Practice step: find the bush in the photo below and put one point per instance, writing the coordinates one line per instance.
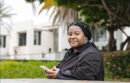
(117, 64)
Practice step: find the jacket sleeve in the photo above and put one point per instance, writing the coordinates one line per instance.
(66, 75)
(88, 69)
(66, 55)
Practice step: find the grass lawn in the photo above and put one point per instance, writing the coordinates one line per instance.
(31, 69)
(23, 69)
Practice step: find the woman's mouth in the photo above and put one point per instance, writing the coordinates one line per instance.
(73, 42)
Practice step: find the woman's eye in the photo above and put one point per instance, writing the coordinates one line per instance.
(77, 33)
(69, 34)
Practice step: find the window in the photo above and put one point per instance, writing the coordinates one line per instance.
(102, 35)
(22, 39)
(37, 37)
(3, 41)
(99, 34)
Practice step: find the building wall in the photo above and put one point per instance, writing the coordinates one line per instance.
(31, 49)
(63, 42)
(47, 40)
(19, 27)
(56, 42)
(119, 38)
(6, 32)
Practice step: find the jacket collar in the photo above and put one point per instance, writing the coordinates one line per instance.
(80, 49)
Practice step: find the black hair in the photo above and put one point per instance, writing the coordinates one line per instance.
(84, 27)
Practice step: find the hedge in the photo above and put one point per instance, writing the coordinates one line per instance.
(117, 64)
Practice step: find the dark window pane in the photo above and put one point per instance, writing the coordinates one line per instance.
(25, 39)
(0, 41)
(34, 38)
(39, 41)
(4, 43)
(37, 38)
(22, 39)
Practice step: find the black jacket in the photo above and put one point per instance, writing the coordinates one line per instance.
(86, 64)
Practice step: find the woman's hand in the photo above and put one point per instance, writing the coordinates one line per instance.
(52, 73)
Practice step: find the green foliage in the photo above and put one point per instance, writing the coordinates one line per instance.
(94, 14)
(41, 1)
(69, 3)
(91, 14)
(117, 64)
(27, 69)
(96, 10)
(30, 1)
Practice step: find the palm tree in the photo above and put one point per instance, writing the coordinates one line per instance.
(62, 16)
(5, 13)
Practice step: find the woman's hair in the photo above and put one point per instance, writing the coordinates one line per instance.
(84, 27)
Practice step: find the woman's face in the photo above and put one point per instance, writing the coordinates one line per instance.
(76, 36)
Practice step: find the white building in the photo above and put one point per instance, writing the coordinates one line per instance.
(26, 40)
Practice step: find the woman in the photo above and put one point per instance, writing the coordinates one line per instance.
(82, 61)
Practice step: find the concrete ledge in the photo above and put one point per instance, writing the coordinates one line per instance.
(51, 81)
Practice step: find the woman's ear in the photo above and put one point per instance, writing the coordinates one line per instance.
(86, 38)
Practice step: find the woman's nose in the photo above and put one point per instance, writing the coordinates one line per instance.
(73, 36)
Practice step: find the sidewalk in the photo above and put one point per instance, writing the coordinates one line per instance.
(51, 81)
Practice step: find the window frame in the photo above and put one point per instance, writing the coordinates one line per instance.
(37, 38)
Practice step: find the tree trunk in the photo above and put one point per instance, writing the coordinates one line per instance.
(111, 41)
(128, 45)
(124, 43)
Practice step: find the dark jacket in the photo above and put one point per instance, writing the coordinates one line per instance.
(86, 64)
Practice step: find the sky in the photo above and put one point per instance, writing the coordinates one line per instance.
(23, 11)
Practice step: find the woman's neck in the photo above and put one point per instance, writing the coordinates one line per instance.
(75, 49)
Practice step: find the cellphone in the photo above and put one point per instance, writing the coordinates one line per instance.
(45, 68)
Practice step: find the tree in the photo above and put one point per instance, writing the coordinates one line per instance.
(62, 16)
(114, 13)
(5, 13)
(34, 7)
(119, 12)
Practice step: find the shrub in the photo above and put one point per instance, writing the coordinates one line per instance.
(117, 64)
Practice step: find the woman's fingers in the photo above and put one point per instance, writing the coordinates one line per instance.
(52, 73)
(53, 69)
(47, 71)
(48, 75)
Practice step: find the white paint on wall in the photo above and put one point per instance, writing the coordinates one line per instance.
(63, 42)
